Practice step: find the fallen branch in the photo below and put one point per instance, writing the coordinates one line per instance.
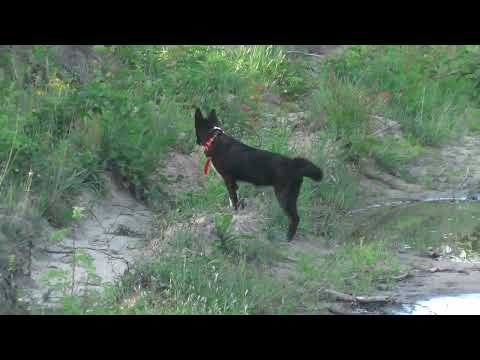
(358, 299)
(338, 311)
(340, 296)
(402, 276)
(374, 299)
(452, 270)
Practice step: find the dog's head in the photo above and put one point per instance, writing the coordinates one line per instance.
(204, 126)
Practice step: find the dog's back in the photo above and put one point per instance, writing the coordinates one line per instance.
(260, 167)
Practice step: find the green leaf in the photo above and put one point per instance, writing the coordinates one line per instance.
(60, 234)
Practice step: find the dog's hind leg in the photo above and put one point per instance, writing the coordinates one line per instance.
(287, 197)
(232, 188)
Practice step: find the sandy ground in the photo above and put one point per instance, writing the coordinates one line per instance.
(113, 232)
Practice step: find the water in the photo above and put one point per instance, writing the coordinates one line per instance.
(465, 304)
(448, 197)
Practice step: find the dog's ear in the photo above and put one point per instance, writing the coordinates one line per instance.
(212, 119)
(198, 116)
(199, 124)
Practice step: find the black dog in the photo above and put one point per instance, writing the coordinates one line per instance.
(235, 161)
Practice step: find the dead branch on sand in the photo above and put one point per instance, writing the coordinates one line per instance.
(358, 299)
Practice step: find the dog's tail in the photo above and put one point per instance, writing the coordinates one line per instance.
(308, 169)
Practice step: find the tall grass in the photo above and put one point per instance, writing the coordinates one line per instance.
(129, 115)
(347, 112)
(430, 85)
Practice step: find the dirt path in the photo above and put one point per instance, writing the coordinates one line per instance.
(113, 233)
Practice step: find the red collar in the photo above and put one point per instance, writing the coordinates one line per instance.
(216, 131)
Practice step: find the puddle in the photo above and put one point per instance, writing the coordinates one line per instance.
(424, 225)
(465, 304)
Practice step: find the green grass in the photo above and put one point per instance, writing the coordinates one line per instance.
(473, 120)
(342, 105)
(392, 154)
(358, 269)
(354, 268)
(425, 100)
